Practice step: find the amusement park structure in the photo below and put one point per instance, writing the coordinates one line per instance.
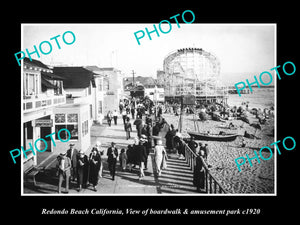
(193, 71)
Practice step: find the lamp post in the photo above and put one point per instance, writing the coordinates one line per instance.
(133, 88)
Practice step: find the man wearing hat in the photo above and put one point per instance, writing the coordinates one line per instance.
(112, 155)
(72, 154)
(63, 171)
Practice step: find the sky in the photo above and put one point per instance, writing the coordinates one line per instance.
(244, 50)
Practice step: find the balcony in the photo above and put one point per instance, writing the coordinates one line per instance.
(34, 103)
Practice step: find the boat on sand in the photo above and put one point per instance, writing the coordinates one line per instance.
(213, 137)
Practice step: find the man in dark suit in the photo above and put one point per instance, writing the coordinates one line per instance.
(72, 154)
(112, 155)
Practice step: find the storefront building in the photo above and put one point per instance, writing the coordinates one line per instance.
(42, 91)
(75, 118)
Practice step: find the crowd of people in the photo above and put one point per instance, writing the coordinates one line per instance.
(77, 166)
(87, 170)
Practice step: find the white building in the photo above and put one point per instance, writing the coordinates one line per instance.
(79, 112)
(144, 86)
(42, 91)
(156, 94)
(102, 86)
(113, 88)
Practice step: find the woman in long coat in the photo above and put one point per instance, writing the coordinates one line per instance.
(82, 170)
(141, 157)
(94, 162)
(112, 155)
(170, 138)
(199, 175)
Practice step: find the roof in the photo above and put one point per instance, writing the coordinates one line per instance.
(107, 69)
(93, 68)
(147, 82)
(96, 70)
(35, 63)
(75, 77)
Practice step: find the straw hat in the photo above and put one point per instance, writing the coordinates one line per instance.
(143, 136)
(81, 152)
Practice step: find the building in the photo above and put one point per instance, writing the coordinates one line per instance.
(78, 85)
(102, 86)
(112, 87)
(42, 93)
(76, 118)
(79, 112)
(144, 86)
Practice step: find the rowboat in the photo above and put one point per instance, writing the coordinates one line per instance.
(213, 137)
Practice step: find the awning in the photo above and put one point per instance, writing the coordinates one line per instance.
(47, 83)
(51, 76)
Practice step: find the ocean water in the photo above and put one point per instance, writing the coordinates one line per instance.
(259, 98)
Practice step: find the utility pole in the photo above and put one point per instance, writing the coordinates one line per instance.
(133, 84)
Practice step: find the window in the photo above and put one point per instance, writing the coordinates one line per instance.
(91, 111)
(29, 128)
(62, 134)
(60, 118)
(72, 118)
(106, 84)
(66, 121)
(89, 90)
(31, 84)
(85, 128)
(74, 131)
(100, 85)
(58, 87)
(100, 107)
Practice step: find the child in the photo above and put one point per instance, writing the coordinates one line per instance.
(123, 159)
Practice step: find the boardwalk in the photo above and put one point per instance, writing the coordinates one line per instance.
(176, 179)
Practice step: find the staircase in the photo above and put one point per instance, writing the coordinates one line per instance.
(177, 178)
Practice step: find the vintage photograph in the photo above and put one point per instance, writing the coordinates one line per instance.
(105, 114)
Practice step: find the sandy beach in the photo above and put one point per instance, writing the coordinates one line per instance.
(256, 179)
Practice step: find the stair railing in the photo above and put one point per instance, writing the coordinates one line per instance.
(211, 183)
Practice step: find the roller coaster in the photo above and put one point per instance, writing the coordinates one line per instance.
(193, 71)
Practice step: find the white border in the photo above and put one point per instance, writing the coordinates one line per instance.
(195, 195)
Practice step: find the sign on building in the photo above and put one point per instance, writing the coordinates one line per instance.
(43, 123)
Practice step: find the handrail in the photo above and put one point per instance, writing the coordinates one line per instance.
(211, 183)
